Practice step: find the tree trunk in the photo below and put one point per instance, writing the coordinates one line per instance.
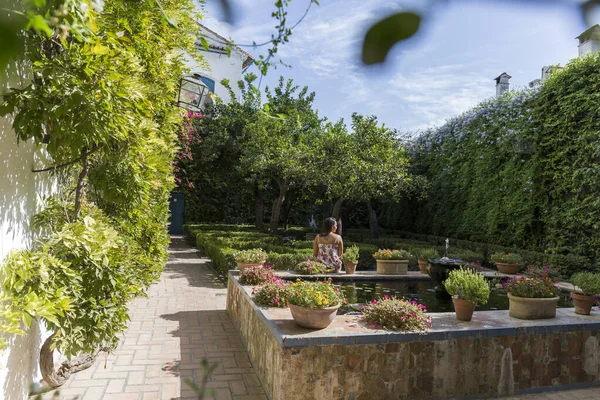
(79, 190)
(259, 210)
(56, 378)
(337, 214)
(277, 206)
(373, 224)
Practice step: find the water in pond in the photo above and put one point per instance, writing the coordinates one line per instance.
(423, 292)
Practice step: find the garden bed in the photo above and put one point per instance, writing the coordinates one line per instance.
(490, 356)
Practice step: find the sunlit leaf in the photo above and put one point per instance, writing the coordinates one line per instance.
(204, 43)
(39, 24)
(382, 36)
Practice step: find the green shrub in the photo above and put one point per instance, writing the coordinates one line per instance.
(587, 283)
(551, 271)
(287, 261)
(467, 284)
(250, 256)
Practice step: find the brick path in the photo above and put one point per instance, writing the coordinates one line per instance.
(182, 322)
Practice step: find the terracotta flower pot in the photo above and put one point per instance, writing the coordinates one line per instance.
(532, 308)
(464, 309)
(313, 318)
(509, 269)
(583, 304)
(350, 266)
(392, 267)
(423, 266)
(242, 266)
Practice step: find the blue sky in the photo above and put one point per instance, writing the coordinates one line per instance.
(448, 68)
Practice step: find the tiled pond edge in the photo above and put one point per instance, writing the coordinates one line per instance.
(493, 355)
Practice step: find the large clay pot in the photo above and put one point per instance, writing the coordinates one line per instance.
(392, 267)
(350, 266)
(313, 318)
(464, 309)
(583, 304)
(423, 266)
(530, 308)
(242, 266)
(509, 269)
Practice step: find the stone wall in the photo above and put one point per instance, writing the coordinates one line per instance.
(482, 359)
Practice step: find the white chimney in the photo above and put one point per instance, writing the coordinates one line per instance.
(589, 41)
(502, 83)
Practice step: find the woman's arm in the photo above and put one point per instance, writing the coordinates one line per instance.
(340, 246)
(316, 246)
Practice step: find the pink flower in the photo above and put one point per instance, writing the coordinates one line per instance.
(178, 180)
(385, 296)
(375, 325)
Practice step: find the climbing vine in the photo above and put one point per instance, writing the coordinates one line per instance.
(519, 170)
(102, 105)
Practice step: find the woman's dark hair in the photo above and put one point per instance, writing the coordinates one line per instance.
(328, 225)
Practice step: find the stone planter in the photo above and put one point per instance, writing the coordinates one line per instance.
(464, 309)
(509, 269)
(392, 267)
(423, 266)
(350, 266)
(313, 318)
(242, 266)
(583, 304)
(528, 308)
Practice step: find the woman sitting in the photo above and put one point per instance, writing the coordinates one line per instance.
(328, 246)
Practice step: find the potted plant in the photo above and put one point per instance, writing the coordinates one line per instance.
(256, 275)
(350, 259)
(250, 258)
(423, 255)
(587, 286)
(310, 267)
(392, 262)
(396, 314)
(507, 263)
(467, 288)
(272, 294)
(531, 297)
(314, 304)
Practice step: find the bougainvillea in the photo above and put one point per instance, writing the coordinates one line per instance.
(396, 314)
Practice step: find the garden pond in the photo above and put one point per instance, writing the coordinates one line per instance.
(360, 292)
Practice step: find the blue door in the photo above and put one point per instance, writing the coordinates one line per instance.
(176, 206)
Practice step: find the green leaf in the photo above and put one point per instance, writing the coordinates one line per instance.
(382, 36)
(204, 43)
(228, 50)
(39, 24)
(39, 3)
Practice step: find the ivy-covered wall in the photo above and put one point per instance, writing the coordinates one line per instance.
(518, 170)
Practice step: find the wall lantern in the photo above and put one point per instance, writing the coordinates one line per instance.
(192, 93)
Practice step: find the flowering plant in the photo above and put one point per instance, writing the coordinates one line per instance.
(311, 267)
(256, 275)
(466, 284)
(506, 258)
(587, 283)
(273, 293)
(396, 314)
(250, 256)
(551, 271)
(318, 294)
(387, 254)
(531, 287)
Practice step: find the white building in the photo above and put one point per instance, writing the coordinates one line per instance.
(220, 64)
(20, 193)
